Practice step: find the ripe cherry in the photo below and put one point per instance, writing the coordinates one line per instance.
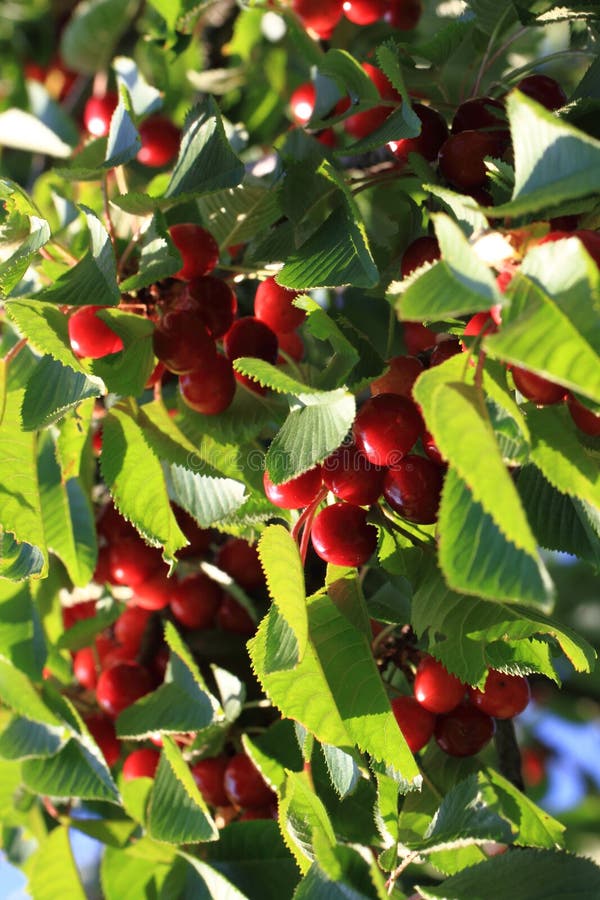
(85, 669)
(116, 655)
(231, 616)
(91, 337)
(434, 132)
(418, 338)
(198, 248)
(431, 449)
(291, 344)
(461, 157)
(342, 536)
(464, 731)
(141, 763)
(320, 16)
(503, 696)
(130, 626)
(413, 488)
(200, 539)
(351, 477)
(195, 600)
(363, 123)
(537, 389)
(215, 302)
(403, 14)
(478, 113)
(209, 774)
(404, 371)
(364, 12)
(273, 305)
(209, 390)
(386, 428)
(103, 731)
(544, 90)
(482, 323)
(182, 342)
(259, 812)
(296, 492)
(78, 612)
(422, 250)
(111, 525)
(251, 337)
(415, 722)
(132, 561)
(121, 685)
(98, 112)
(244, 785)
(240, 560)
(435, 688)
(160, 142)
(302, 103)
(585, 419)
(443, 351)
(154, 592)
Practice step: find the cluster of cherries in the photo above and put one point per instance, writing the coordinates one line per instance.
(322, 16)
(460, 718)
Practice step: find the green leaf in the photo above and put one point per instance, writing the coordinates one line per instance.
(144, 98)
(207, 882)
(52, 390)
(82, 633)
(342, 768)
(280, 560)
(303, 815)
(461, 206)
(445, 42)
(22, 130)
(232, 692)
(240, 214)
(24, 739)
(208, 500)
(21, 637)
(46, 328)
(158, 256)
(177, 813)
(92, 33)
(123, 138)
(52, 869)
(136, 872)
(275, 752)
(18, 693)
(14, 267)
(19, 561)
(127, 372)
(75, 771)
(534, 826)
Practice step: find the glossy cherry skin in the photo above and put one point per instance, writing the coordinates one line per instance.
(154, 592)
(482, 323)
(130, 626)
(160, 142)
(415, 722)
(544, 90)
(434, 132)
(435, 688)
(537, 389)
(182, 343)
(431, 449)
(240, 559)
(141, 763)
(85, 669)
(342, 536)
(413, 488)
(231, 616)
(461, 158)
(198, 248)
(363, 123)
(132, 561)
(418, 338)
(464, 731)
(478, 113)
(273, 305)
(209, 390)
(244, 785)
(195, 600)
(121, 685)
(403, 14)
(503, 696)
(302, 103)
(251, 337)
(585, 419)
(103, 731)
(215, 302)
(97, 114)
(320, 16)
(404, 371)
(422, 250)
(386, 428)
(209, 774)
(349, 475)
(91, 337)
(364, 12)
(295, 493)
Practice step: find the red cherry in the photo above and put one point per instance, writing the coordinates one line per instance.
(117, 655)
(363, 123)
(273, 305)
(251, 337)
(351, 477)
(156, 375)
(418, 338)
(160, 142)
(121, 685)
(154, 592)
(302, 103)
(231, 616)
(244, 785)
(413, 488)
(103, 731)
(198, 248)
(585, 419)
(461, 157)
(341, 535)
(111, 525)
(182, 342)
(240, 560)
(435, 688)
(386, 428)
(589, 239)
(503, 696)
(431, 449)
(404, 371)
(90, 336)
(195, 600)
(533, 766)
(78, 612)
(132, 562)
(215, 302)
(544, 90)
(482, 323)
(434, 132)
(404, 14)
(209, 390)
(320, 16)
(327, 137)
(443, 351)
(85, 669)
(415, 722)
(98, 112)
(209, 774)
(130, 626)
(260, 812)
(364, 12)
(537, 389)
(296, 492)
(200, 539)
(463, 732)
(478, 113)
(422, 250)
(104, 645)
(292, 344)
(141, 764)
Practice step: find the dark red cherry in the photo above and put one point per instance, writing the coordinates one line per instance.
(259, 812)
(195, 600)
(154, 592)
(363, 123)
(97, 114)
(462, 156)
(141, 763)
(121, 685)
(291, 344)
(273, 305)
(209, 774)
(215, 302)
(103, 731)
(503, 696)
(198, 248)
(435, 688)
(431, 449)
(364, 12)
(418, 338)
(444, 350)
(586, 419)
(404, 371)
(434, 132)
(111, 525)
(251, 337)
(413, 488)
(296, 492)
(130, 626)
(231, 616)
(544, 90)
(244, 785)
(415, 722)
(85, 668)
(342, 536)
(349, 475)
(132, 561)
(403, 14)
(209, 390)
(464, 731)
(160, 142)
(200, 539)
(240, 560)
(478, 113)
(386, 428)
(320, 16)
(536, 388)
(302, 103)
(182, 343)
(91, 337)
(422, 250)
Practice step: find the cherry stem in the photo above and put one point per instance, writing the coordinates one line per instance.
(406, 862)
(381, 637)
(307, 518)
(14, 351)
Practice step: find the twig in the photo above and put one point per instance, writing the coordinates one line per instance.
(14, 351)
(107, 218)
(406, 862)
